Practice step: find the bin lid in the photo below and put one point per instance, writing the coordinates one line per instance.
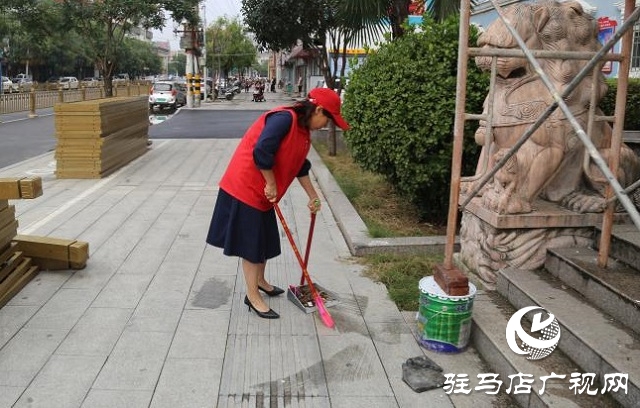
(429, 286)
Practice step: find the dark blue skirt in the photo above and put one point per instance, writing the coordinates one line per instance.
(243, 231)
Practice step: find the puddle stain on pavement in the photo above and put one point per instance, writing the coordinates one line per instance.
(213, 294)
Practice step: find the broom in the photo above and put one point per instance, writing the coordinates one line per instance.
(319, 302)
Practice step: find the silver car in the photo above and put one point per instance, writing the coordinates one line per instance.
(69, 82)
(22, 85)
(167, 94)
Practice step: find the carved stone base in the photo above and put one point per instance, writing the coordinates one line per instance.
(490, 243)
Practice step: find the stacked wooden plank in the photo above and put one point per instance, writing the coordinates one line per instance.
(21, 256)
(16, 269)
(97, 137)
(51, 253)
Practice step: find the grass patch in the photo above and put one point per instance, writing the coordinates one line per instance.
(401, 275)
(386, 214)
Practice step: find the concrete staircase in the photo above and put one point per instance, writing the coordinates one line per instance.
(599, 314)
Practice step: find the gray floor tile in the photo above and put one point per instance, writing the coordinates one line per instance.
(123, 291)
(62, 383)
(188, 383)
(26, 353)
(96, 333)
(12, 318)
(136, 362)
(201, 334)
(154, 319)
(63, 310)
(40, 289)
(9, 395)
(117, 399)
(353, 367)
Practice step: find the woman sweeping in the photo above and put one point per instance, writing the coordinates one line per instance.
(272, 153)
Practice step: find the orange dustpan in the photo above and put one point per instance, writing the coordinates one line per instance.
(317, 299)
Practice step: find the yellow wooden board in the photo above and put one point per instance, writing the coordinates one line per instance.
(100, 104)
(7, 252)
(7, 215)
(61, 252)
(101, 125)
(14, 188)
(7, 233)
(9, 188)
(44, 247)
(17, 272)
(50, 264)
(10, 264)
(17, 286)
(30, 187)
(78, 254)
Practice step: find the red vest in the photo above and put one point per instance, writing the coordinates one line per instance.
(244, 181)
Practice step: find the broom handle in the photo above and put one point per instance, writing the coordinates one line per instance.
(308, 250)
(305, 273)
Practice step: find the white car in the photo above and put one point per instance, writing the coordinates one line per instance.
(167, 94)
(22, 85)
(90, 82)
(7, 85)
(69, 82)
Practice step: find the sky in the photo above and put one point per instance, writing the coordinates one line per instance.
(212, 9)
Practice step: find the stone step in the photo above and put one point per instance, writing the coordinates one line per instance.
(625, 244)
(592, 339)
(491, 313)
(615, 289)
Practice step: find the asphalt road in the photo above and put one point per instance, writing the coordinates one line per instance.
(205, 124)
(22, 138)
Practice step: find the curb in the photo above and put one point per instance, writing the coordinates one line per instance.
(355, 231)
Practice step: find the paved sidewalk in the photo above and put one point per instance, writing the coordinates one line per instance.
(156, 319)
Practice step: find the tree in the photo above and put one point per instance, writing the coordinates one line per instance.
(401, 107)
(39, 34)
(229, 46)
(397, 11)
(103, 24)
(138, 58)
(178, 64)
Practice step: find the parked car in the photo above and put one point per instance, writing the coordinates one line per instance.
(90, 82)
(7, 85)
(69, 82)
(120, 79)
(19, 77)
(167, 94)
(22, 84)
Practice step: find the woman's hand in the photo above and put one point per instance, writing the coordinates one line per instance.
(271, 192)
(314, 205)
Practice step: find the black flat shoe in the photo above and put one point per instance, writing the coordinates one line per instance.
(265, 315)
(273, 292)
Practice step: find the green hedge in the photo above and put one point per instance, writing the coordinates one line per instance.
(401, 105)
(632, 114)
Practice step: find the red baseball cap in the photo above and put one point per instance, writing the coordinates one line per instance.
(329, 100)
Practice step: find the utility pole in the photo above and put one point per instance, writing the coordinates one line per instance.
(188, 43)
(204, 47)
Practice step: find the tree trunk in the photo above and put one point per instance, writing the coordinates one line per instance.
(398, 13)
(333, 150)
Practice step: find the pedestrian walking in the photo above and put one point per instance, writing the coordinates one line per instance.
(272, 153)
(300, 86)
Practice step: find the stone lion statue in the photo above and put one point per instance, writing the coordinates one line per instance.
(553, 164)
